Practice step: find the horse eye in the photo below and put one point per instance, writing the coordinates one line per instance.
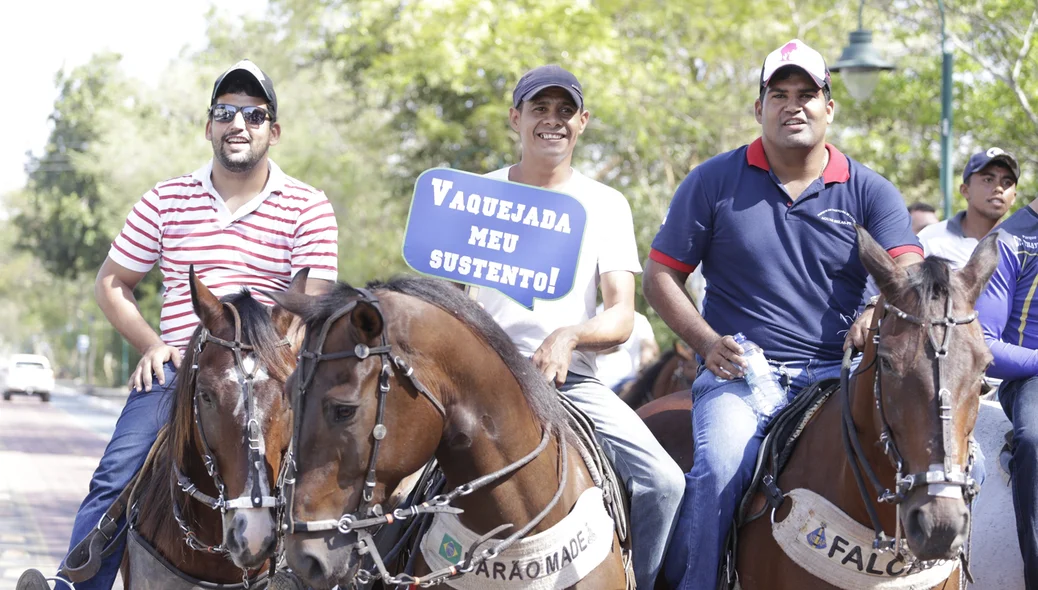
(885, 363)
(206, 397)
(343, 412)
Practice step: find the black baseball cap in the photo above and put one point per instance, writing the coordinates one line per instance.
(544, 77)
(252, 71)
(979, 160)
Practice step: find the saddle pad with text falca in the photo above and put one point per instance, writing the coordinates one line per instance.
(832, 546)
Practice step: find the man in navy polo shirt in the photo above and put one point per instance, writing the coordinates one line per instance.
(772, 223)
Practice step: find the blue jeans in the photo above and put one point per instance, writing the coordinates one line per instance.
(727, 435)
(135, 431)
(653, 480)
(1020, 401)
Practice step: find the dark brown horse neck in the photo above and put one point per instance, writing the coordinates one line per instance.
(490, 424)
(820, 444)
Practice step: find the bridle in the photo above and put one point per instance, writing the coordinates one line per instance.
(948, 474)
(257, 445)
(371, 515)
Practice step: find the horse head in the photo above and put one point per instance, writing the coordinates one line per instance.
(385, 384)
(349, 426)
(930, 356)
(235, 415)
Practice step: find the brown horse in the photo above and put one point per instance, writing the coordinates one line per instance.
(674, 371)
(412, 370)
(906, 416)
(206, 507)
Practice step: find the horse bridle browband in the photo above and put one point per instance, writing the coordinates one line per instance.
(950, 473)
(369, 514)
(257, 445)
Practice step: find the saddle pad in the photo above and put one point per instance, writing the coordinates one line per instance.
(556, 558)
(833, 547)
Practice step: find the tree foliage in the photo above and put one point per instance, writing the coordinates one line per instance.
(374, 92)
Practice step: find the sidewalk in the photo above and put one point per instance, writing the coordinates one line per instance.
(46, 459)
(95, 390)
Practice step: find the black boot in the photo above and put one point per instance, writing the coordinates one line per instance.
(32, 580)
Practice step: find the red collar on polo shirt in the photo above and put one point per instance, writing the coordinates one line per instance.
(837, 170)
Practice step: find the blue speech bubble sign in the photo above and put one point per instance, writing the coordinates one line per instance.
(521, 240)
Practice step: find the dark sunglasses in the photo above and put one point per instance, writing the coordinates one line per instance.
(254, 116)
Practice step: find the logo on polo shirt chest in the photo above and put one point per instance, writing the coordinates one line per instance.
(838, 216)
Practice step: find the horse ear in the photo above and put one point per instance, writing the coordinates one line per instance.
(282, 316)
(366, 320)
(292, 302)
(887, 273)
(981, 266)
(206, 305)
(683, 350)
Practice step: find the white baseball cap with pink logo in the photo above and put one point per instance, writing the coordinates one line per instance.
(796, 53)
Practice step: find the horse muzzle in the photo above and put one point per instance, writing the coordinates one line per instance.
(935, 527)
(250, 536)
(323, 560)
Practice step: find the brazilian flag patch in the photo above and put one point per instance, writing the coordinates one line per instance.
(450, 549)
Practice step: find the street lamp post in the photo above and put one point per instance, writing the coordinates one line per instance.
(946, 116)
(861, 65)
(860, 62)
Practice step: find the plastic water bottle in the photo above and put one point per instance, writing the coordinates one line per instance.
(765, 392)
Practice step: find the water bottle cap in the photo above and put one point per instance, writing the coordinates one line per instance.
(739, 337)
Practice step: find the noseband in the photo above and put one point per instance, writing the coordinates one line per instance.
(257, 445)
(950, 474)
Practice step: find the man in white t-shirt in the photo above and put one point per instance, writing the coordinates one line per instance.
(618, 365)
(563, 335)
(989, 186)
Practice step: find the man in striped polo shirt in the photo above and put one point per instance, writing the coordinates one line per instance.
(241, 222)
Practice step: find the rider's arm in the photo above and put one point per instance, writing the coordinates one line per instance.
(611, 327)
(616, 322)
(994, 308)
(664, 289)
(113, 290)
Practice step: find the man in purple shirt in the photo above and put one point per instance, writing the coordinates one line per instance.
(1011, 330)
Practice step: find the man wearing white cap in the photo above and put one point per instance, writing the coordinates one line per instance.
(772, 223)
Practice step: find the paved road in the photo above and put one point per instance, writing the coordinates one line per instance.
(47, 454)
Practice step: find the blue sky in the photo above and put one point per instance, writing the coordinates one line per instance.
(40, 37)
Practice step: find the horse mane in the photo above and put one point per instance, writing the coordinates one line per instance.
(931, 281)
(642, 384)
(258, 331)
(540, 394)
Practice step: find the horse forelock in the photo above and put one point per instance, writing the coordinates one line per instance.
(259, 331)
(929, 282)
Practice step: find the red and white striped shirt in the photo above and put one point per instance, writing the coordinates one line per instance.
(184, 221)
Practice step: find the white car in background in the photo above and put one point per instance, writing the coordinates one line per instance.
(29, 374)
